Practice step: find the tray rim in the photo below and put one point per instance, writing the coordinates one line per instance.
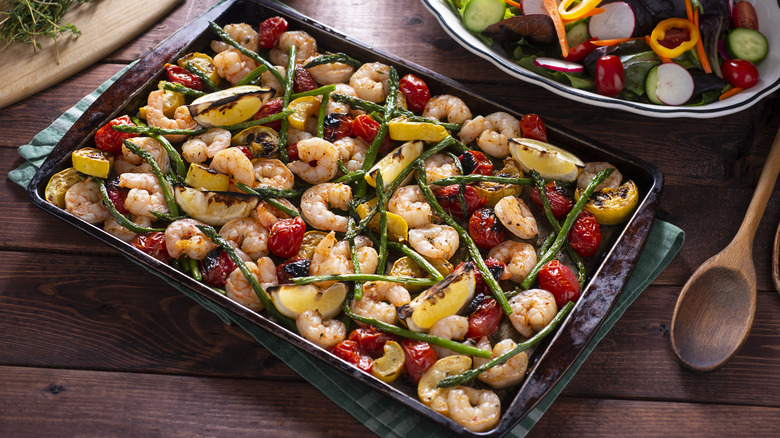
(102, 110)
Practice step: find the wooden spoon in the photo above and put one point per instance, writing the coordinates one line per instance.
(776, 260)
(715, 309)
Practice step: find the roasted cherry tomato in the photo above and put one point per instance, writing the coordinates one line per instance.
(415, 91)
(216, 267)
(484, 320)
(371, 339)
(560, 199)
(560, 281)
(419, 357)
(449, 199)
(117, 197)
(350, 351)
(245, 150)
(273, 106)
(740, 73)
(365, 127)
(497, 269)
(336, 126)
(485, 228)
(292, 152)
(269, 32)
(744, 15)
(181, 76)
(585, 234)
(110, 140)
(286, 236)
(293, 268)
(476, 162)
(581, 51)
(610, 76)
(531, 126)
(303, 80)
(152, 244)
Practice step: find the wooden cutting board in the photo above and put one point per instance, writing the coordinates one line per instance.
(105, 25)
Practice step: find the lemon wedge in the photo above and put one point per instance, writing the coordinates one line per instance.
(445, 298)
(393, 163)
(214, 208)
(229, 107)
(203, 177)
(292, 300)
(552, 162)
(388, 367)
(303, 108)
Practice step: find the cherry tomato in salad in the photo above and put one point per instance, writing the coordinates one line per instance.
(485, 228)
(351, 352)
(293, 268)
(532, 127)
(585, 234)
(371, 339)
(181, 76)
(740, 73)
(744, 15)
(484, 320)
(303, 80)
(476, 162)
(560, 281)
(415, 91)
(419, 357)
(216, 267)
(110, 140)
(273, 106)
(152, 244)
(449, 199)
(561, 201)
(269, 32)
(286, 236)
(610, 76)
(581, 51)
(336, 126)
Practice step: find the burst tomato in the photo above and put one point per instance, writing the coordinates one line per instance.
(110, 140)
(415, 91)
(365, 127)
(531, 126)
(292, 152)
(497, 269)
(269, 32)
(485, 228)
(117, 196)
(181, 76)
(449, 199)
(476, 162)
(152, 244)
(561, 201)
(560, 281)
(273, 106)
(216, 267)
(585, 234)
(336, 126)
(371, 339)
(303, 80)
(484, 320)
(292, 268)
(286, 236)
(351, 352)
(419, 357)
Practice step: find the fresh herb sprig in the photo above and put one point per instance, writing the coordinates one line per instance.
(30, 21)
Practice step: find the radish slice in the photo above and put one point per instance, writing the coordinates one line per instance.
(670, 84)
(617, 21)
(558, 65)
(530, 7)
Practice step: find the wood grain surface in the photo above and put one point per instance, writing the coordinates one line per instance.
(90, 345)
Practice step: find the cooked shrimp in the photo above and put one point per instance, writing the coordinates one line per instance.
(331, 73)
(297, 135)
(235, 163)
(532, 310)
(270, 172)
(492, 133)
(114, 228)
(145, 195)
(440, 166)
(516, 217)
(269, 80)
(324, 334)
(306, 47)
(371, 81)
(453, 327)
(317, 201)
(155, 116)
(435, 241)
(198, 149)
(447, 106)
(129, 162)
(475, 409)
(352, 152)
(267, 215)
(507, 374)
(182, 237)
(234, 65)
(519, 258)
(591, 169)
(380, 300)
(341, 107)
(318, 160)
(84, 201)
(238, 288)
(334, 257)
(241, 33)
(247, 236)
(409, 203)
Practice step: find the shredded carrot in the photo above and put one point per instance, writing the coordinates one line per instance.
(705, 63)
(613, 42)
(592, 12)
(552, 10)
(515, 4)
(688, 9)
(730, 93)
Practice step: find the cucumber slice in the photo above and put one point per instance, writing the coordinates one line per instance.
(480, 14)
(651, 85)
(577, 34)
(748, 44)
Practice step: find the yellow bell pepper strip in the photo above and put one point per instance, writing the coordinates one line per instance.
(592, 12)
(578, 11)
(551, 6)
(667, 29)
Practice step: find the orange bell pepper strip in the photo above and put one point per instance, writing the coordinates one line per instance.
(552, 10)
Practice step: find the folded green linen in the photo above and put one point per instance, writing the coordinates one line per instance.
(384, 416)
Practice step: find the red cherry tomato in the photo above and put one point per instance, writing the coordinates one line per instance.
(531, 126)
(476, 162)
(303, 80)
(560, 281)
(581, 50)
(292, 268)
(152, 244)
(336, 126)
(365, 127)
(245, 150)
(216, 267)
(561, 201)
(181, 76)
(351, 352)
(286, 236)
(484, 320)
(740, 73)
(419, 357)
(371, 339)
(485, 228)
(449, 199)
(269, 32)
(415, 91)
(273, 106)
(292, 152)
(744, 15)
(610, 76)
(110, 140)
(117, 197)
(585, 234)
(497, 270)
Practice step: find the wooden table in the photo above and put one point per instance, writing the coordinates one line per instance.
(92, 345)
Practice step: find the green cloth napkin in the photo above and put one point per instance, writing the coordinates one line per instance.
(384, 416)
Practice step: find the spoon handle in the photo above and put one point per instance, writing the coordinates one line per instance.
(766, 184)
